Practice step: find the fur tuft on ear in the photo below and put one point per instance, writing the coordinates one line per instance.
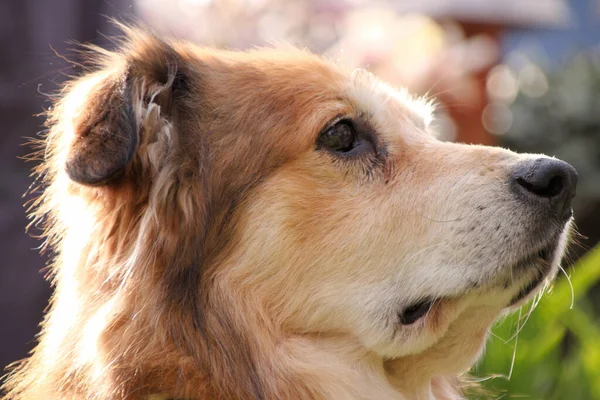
(106, 136)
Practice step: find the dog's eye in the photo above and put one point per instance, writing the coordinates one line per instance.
(341, 137)
(415, 312)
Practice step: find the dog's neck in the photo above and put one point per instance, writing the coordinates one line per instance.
(334, 367)
(285, 367)
(125, 345)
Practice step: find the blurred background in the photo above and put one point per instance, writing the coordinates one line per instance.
(520, 74)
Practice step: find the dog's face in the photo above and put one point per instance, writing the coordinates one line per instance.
(320, 197)
(377, 229)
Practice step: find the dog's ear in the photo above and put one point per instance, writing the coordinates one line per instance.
(107, 129)
(105, 135)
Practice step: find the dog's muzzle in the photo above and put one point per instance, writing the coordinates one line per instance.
(546, 186)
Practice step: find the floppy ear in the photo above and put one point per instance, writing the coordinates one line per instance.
(107, 130)
(106, 135)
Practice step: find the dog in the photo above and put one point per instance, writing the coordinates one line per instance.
(270, 225)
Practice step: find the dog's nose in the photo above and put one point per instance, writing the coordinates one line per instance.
(547, 182)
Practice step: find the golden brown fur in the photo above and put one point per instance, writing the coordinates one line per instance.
(205, 249)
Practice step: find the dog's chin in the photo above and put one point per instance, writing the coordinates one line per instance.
(533, 270)
(542, 266)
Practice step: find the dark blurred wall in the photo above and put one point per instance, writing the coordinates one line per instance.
(29, 30)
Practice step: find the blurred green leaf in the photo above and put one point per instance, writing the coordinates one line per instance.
(557, 354)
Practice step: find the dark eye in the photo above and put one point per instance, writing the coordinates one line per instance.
(340, 138)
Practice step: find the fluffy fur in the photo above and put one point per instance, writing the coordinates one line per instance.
(207, 248)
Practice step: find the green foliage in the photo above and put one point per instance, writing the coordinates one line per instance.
(557, 353)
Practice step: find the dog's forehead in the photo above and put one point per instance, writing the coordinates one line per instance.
(318, 89)
(378, 98)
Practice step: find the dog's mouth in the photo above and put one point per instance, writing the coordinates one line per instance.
(541, 261)
(415, 311)
(530, 271)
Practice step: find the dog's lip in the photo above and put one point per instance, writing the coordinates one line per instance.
(540, 260)
(530, 287)
(416, 311)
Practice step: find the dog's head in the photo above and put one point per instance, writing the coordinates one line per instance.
(309, 199)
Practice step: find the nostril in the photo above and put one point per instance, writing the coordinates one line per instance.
(547, 183)
(552, 188)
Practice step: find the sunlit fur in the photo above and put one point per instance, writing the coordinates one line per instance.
(232, 258)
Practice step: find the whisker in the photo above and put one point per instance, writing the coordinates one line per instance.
(514, 355)
(442, 221)
(427, 95)
(521, 323)
(570, 285)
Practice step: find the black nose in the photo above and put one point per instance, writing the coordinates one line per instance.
(547, 182)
